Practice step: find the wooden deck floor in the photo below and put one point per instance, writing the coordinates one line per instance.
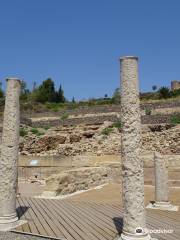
(77, 220)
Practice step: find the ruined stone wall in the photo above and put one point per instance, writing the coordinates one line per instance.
(99, 109)
(175, 85)
(146, 119)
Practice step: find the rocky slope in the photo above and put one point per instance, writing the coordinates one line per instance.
(97, 140)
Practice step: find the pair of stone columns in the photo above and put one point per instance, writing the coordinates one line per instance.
(9, 157)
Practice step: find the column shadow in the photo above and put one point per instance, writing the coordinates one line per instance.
(21, 210)
(118, 222)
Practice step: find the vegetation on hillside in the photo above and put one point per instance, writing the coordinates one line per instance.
(46, 97)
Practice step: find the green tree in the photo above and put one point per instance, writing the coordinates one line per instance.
(25, 92)
(73, 100)
(61, 97)
(164, 92)
(45, 92)
(116, 96)
(154, 88)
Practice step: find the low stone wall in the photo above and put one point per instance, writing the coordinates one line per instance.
(99, 109)
(146, 119)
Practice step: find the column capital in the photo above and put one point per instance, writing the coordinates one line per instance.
(13, 79)
(128, 57)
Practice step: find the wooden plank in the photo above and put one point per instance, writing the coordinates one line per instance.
(76, 220)
(69, 225)
(41, 224)
(108, 214)
(46, 221)
(31, 220)
(58, 221)
(93, 218)
(83, 224)
(151, 223)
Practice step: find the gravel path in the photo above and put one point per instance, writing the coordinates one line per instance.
(16, 236)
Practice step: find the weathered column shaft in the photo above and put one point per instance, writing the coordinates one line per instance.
(161, 178)
(9, 153)
(132, 164)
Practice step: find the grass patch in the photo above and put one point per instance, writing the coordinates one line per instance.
(175, 119)
(23, 132)
(34, 130)
(107, 131)
(117, 124)
(46, 127)
(64, 116)
(39, 133)
(148, 111)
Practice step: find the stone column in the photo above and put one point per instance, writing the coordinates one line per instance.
(161, 179)
(134, 222)
(9, 155)
(161, 185)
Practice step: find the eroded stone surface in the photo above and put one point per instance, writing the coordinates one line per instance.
(132, 164)
(161, 178)
(78, 179)
(9, 153)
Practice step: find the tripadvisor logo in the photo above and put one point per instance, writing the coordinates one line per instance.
(139, 230)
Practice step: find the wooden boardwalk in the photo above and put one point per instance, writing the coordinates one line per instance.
(77, 220)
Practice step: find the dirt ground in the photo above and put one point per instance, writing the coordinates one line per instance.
(112, 193)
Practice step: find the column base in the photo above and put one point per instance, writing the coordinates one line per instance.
(4, 227)
(162, 206)
(135, 236)
(9, 219)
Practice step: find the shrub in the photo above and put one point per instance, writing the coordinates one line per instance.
(148, 111)
(175, 92)
(107, 131)
(34, 130)
(164, 92)
(23, 132)
(64, 116)
(117, 124)
(39, 133)
(46, 127)
(175, 119)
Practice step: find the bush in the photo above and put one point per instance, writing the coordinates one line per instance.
(39, 133)
(34, 130)
(46, 127)
(175, 92)
(175, 119)
(148, 111)
(117, 124)
(164, 92)
(64, 116)
(107, 131)
(116, 99)
(23, 132)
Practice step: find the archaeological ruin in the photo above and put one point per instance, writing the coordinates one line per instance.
(112, 153)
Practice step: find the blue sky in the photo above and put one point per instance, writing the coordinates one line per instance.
(78, 42)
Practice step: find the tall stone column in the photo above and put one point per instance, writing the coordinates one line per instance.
(134, 222)
(161, 185)
(9, 155)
